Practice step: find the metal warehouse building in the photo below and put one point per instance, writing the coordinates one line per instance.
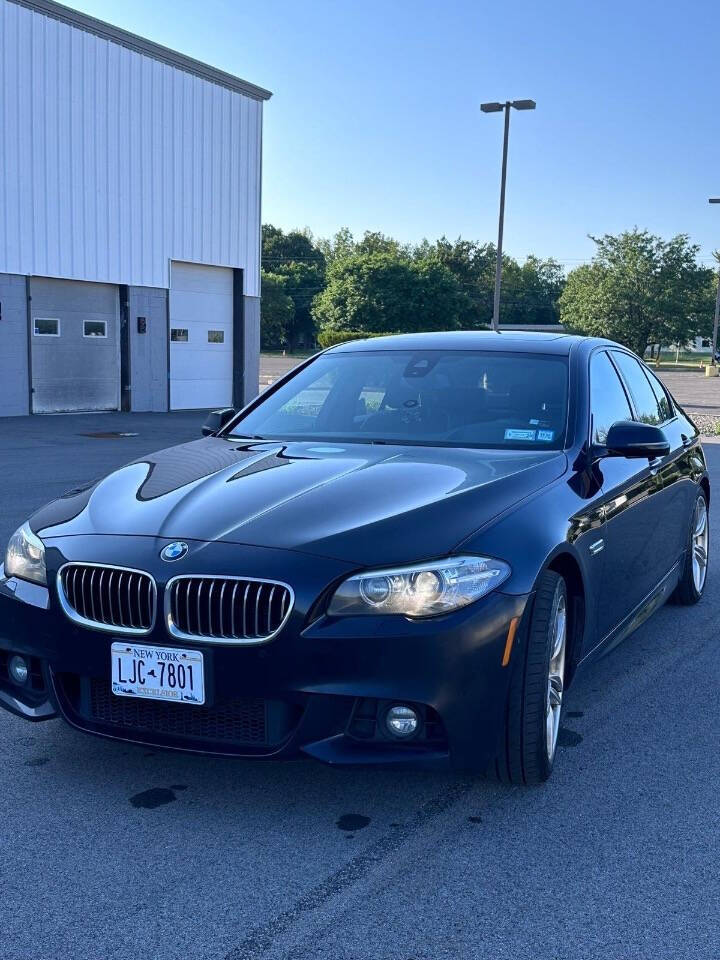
(129, 221)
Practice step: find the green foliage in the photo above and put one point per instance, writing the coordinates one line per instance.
(344, 245)
(473, 266)
(377, 292)
(330, 338)
(277, 311)
(639, 290)
(295, 256)
(529, 292)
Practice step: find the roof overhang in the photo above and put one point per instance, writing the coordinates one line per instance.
(146, 47)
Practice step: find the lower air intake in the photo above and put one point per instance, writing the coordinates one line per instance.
(241, 722)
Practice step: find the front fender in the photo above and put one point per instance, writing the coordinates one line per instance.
(562, 521)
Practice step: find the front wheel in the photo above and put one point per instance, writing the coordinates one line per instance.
(692, 580)
(532, 721)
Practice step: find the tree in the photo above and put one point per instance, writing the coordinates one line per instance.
(276, 312)
(473, 265)
(295, 256)
(341, 245)
(638, 290)
(370, 293)
(529, 292)
(344, 244)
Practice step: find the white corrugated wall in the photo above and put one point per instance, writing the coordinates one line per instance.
(112, 163)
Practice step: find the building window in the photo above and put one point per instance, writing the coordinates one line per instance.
(178, 335)
(46, 327)
(216, 336)
(95, 328)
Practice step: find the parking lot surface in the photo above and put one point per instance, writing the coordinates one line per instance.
(118, 851)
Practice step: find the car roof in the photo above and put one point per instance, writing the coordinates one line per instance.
(519, 341)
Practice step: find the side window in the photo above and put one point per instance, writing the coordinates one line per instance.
(661, 395)
(305, 407)
(608, 402)
(644, 399)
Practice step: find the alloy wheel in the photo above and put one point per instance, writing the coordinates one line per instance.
(556, 676)
(700, 544)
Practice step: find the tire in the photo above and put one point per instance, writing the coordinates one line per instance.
(690, 589)
(524, 755)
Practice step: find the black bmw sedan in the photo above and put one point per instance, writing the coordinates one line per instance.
(402, 552)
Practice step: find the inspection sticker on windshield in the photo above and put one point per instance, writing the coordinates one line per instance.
(520, 434)
(545, 435)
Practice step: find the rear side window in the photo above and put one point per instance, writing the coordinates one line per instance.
(646, 403)
(664, 403)
(608, 401)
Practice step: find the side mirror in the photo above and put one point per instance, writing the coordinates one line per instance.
(640, 441)
(217, 420)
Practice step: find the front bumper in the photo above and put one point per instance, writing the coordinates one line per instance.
(320, 687)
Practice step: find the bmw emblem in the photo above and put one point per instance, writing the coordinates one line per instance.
(174, 551)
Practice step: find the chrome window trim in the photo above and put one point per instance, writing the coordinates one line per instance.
(220, 641)
(71, 614)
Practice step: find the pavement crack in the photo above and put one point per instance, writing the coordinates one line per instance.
(260, 940)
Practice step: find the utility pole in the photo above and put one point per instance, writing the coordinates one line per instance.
(713, 362)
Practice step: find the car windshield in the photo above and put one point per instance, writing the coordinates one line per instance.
(435, 398)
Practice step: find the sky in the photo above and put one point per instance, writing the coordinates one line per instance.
(374, 123)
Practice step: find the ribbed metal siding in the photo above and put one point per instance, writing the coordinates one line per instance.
(226, 610)
(109, 596)
(113, 163)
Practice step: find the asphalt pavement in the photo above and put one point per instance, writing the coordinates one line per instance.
(114, 851)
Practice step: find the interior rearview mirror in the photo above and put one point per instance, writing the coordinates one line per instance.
(628, 438)
(217, 420)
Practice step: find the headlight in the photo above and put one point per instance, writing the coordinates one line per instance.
(25, 556)
(422, 590)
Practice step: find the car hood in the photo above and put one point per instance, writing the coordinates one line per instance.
(360, 503)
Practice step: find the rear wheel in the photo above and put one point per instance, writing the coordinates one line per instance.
(692, 581)
(534, 706)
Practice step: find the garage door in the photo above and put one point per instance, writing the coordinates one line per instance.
(75, 345)
(201, 336)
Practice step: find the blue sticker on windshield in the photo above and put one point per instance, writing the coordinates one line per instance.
(519, 434)
(546, 435)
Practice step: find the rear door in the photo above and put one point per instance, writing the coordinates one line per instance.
(674, 470)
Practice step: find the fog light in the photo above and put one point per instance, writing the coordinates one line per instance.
(18, 669)
(401, 722)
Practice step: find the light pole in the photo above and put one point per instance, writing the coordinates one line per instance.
(717, 304)
(497, 108)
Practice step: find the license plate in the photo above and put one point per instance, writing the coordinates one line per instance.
(157, 673)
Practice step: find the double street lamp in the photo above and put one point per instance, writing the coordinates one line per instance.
(498, 108)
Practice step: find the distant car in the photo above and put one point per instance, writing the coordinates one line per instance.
(400, 553)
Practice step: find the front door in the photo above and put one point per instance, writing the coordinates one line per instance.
(633, 544)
